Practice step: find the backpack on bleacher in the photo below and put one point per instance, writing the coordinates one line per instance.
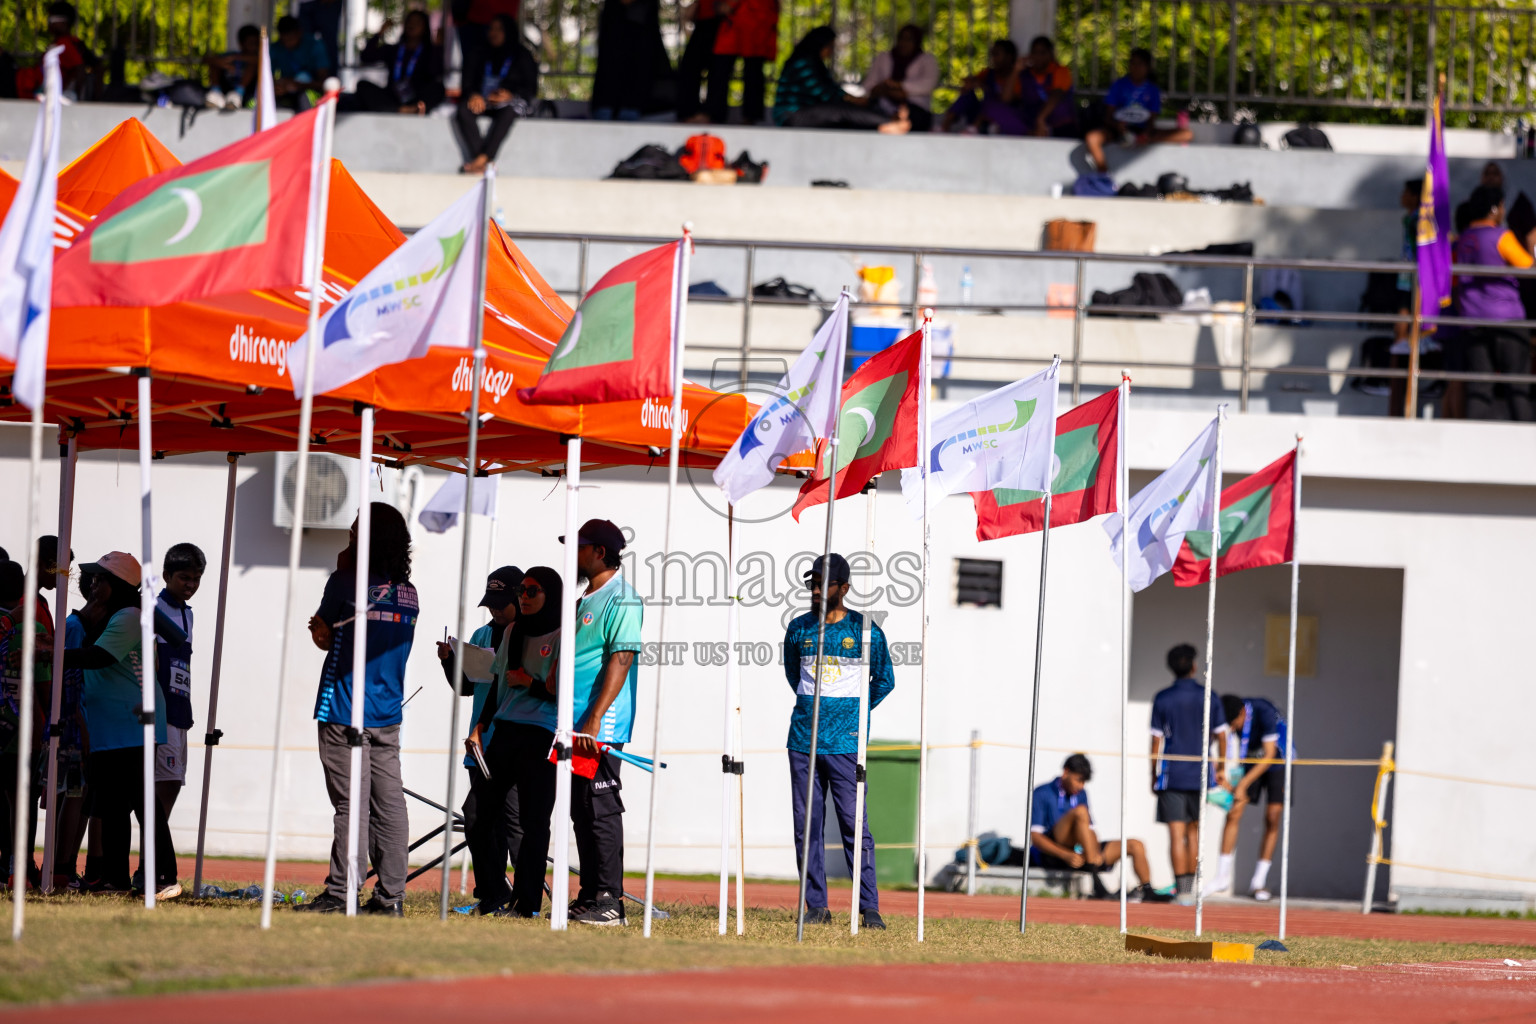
(702, 153)
(1306, 137)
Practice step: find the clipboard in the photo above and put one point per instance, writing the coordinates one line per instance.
(477, 660)
(474, 748)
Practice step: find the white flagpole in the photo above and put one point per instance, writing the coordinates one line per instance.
(560, 881)
(1290, 692)
(301, 479)
(1210, 643)
(1034, 711)
(362, 555)
(1123, 482)
(212, 735)
(866, 646)
(741, 807)
(67, 453)
(679, 326)
(821, 629)
(925, 429)
(471, 466)
(728, 761)
(147, 681)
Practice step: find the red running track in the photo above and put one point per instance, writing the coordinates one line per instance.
(1153, 994)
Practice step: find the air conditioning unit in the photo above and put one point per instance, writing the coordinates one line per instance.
(330, 496)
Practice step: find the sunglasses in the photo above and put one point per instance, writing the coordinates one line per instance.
(530, 590)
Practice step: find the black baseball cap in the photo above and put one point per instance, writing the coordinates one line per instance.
(839, 572)
(602, 533)
(501, 587)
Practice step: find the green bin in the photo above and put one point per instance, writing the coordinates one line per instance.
(892, 805)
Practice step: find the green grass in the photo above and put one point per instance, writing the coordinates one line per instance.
(83, 947)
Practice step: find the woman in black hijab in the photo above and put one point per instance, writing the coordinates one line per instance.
(520, 789)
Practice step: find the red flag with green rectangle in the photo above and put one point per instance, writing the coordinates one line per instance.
(1087, 440)
(235, 220)
(618, 346)
(1257, 527)
(877, 428)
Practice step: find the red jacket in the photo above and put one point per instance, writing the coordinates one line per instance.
(748, 28)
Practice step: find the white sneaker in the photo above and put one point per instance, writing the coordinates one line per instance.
(170, 892)
(1262, 895)
(233, 101)
(213, 99)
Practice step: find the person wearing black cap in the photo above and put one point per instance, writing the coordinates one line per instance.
(607, 668)
(837, 736)
(520, 793)
(500, 599)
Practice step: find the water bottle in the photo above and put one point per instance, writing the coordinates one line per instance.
(967, 286)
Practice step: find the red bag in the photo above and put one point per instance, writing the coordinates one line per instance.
(702, 153)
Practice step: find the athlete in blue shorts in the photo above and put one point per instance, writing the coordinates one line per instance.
(1255, 730)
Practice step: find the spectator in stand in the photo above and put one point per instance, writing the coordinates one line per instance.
(989, 99)
(415, 66)
(322, 19)
(391, 617)
(629, 52)
(1046, 96)
(501, 81)
(749, 32)
(695, 61)
(904, 75)
(78, 65)
(298, 64)
(809, 97)
(1491, 176)
(1486, 242)
(1131, 108)
(232, 75)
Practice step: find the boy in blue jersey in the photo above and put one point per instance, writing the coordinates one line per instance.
(1131, 108)
(837, 735)
(607, 648)
(1177, 717)
(1255, 730)
(1061, 835)
(183, 568)
(390, 616)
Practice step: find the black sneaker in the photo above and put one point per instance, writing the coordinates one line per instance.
(325, 903)
(382, 908)
(606, 911)
(871, 919)
(1144, 893)
(818, 915)
(508, 910)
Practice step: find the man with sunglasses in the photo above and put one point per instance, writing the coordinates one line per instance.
(837, 736)
(607, 666)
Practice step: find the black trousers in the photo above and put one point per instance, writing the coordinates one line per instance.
(488, 145)
(117, 787)
(597, 818)
(1498, 350)
(522, 784)
(485, 848)
(8, 802)
(753, 87)
(694, 64)
(837, 115)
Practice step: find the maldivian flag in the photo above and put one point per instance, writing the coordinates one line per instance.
(1087, 440)
(234, 221)
(877, 427)
(1257, 527)
(619, 345)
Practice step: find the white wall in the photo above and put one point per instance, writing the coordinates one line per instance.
(1451, 506)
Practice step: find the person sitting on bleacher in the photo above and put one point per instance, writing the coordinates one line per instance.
(1061, 835)
(990, 100)
(415, 83)
(1131, 107)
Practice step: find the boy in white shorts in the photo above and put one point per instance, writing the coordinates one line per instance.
(183, 571)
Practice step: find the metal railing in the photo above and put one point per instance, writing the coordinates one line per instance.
(141, 34)
(1078, 360)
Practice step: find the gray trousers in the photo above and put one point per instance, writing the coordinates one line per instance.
(383, 828)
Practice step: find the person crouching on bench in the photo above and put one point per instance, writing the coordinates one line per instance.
(1061, 834)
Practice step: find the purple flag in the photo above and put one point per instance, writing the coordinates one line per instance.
(1434, 235)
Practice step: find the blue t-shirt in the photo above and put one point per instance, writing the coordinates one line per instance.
(112, 693)
(1176, 717)
(392, 610)
(1262, 724)
(842, 672)
(1050, 803)
(173, 662)
(538, 657)
(1134, 105)
(303, 63)
(608, 621)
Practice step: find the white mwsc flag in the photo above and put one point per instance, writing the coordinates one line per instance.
(1006, 438)
(26, 250)
(422, 295)
(802, 414)
(1163, 511)
(441, 512)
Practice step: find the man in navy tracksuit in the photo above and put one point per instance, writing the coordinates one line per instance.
(837, 738)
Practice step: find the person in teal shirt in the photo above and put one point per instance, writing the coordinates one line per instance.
(607, 666)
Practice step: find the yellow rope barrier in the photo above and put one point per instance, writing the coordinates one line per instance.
(1454, 871)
